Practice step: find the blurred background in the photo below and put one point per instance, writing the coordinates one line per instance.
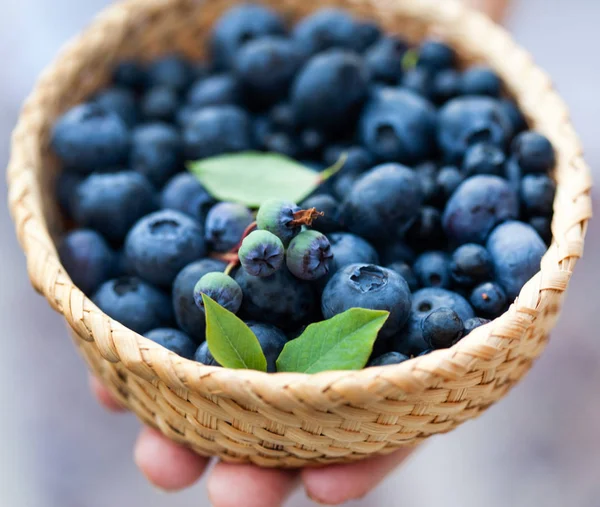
(540, 446)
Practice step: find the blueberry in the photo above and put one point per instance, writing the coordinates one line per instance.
(89, 138)
(87, 258)
(272, 341)
(533, 152)
(342, 185)
(277, 217)
(465, 121)
(366, 34)
(261, 130)
(448, 180)
(221, 288)
(156, 152)
(442, 328)
(427, 230)
(279, 299)
(130, 74)
(406, 272)
(266, 68)
(283, 118)
(387, 359)
(384, 59)
(395, 251)
(474, 323)
(238, 26)
(372, 287)
(484, 158)
(112, 203)
(261, 253)
(204, 356)
(384, 202)
(398, 125)
(225, 225)
(330, 90)
(543, 226)
(427, 174)
(445, 86)
(330, 208)
(325, 29)
(172, 72)
(516, 251)
(159, 104)
(120, 101)
(312, 142)
(284, 143)
(435, 55)
(216, 130)
(480, 80)
(135, 304)
(217, 90)
(357, 159)
(518, 121)
(66, 186)
(471, 264)
(309, 255)
(188, 316)
(425, 301)
(350, 249)
(537, 194)
(433, 270)
(488, 299)
(122, 265)
(477, 206)
(186, 194)
(419, 81)
(162, 244)
(173, 340)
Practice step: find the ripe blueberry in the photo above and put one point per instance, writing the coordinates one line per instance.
(471, 264)
(442, 328)
(272, 341)
(225, 225)
(387, 359)
(173, 340)
(488, 299)
(156, 152)
(186, 194)
(533, 152)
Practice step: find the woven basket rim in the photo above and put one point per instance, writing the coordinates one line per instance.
(547, 113)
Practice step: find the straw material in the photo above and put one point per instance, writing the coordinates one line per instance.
(291, 420)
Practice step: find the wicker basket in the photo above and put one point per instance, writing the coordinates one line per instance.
(291, 420)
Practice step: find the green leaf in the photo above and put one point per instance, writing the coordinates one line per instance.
(230, 340)
(252, 178)
(410, 59)
(343, 342)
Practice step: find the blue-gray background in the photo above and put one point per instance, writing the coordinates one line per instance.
(540, 446)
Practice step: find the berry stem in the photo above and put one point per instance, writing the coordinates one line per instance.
(333, 170)
(230, 267)
(305, 217)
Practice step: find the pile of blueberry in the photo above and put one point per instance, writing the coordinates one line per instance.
(439, 215)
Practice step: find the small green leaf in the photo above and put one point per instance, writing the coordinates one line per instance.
(230, 340)
(252, 178)
(410, 59)
(343, 342)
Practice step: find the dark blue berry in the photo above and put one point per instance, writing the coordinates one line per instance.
(357, 159)
(396, 251)
(533, 152)
(261, 253)
(474, 323)
(372, 287)
(330, 208)
(398, 125)
(239, 25)
(111, 203)
(283, 118)
(427, 174)
(66, 186)
(325, 29)
(419, 81)
(216, 130)
(130, 74)
(279, 299)
(471, 264)
(173, 340)
(311, 142)
(477, 206)
(384, 202)
(161, 244)
(156, 152)
(123, 266)
(366, 34)
(159, 104)
(427, 232)
(221, 288)
(309, 255)
(484, 158)
(384, 59)
(330, 90)
(480, 80)
(466, 121)
(350, 249)
(284, 143)
(87, 258)
(514, 174)
(186, 194)
(543, 226)
(277, 217)
(406, 272)
(488, 299)
(445, 86)
(135, 304)
(262, 128)
(120, 101)
(89, 138)
(217, 90)
(204, 356)
(518, 121)
(433, 270)
(387, 359)
(188, 316)
(442, 328)
(448, 180)
(225, 225)
(435, 55)
(537, 194)
(272, 341)
(342, 185)
(172, 72)
(516, 251)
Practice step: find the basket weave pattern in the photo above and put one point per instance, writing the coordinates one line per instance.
(290, 420)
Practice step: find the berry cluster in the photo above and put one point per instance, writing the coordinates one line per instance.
(439, 215)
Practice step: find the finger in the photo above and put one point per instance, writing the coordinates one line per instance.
(336, 484)
(165, 464)
(104, 396)
(232, 485)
